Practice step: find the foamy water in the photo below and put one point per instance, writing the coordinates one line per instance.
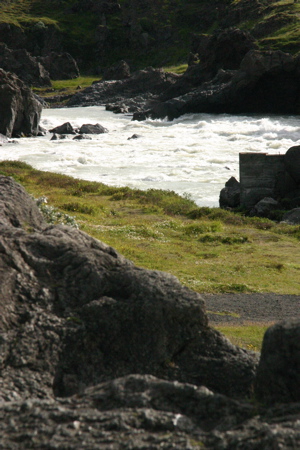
(195, 154)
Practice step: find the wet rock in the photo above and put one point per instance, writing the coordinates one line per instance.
(81, 137)
(134, 136)
(92, 129)
(65, 128)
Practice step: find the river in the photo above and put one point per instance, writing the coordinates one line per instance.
(195, 154)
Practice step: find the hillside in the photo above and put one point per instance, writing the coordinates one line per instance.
(144, 32)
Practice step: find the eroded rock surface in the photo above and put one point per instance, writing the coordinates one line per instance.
(127, 348)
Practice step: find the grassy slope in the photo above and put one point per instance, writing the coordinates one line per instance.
(184, 17)
(216, 252)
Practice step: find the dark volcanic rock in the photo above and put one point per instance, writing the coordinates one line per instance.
(292, 216)
(89, 128)
(17, 208)
(266, 82)
(20, 111)
(278, 374)
(144, 412)
(27, 68)
(65, 128)
(264, 207)
(136, 91)
(61, 66)
(118, 71)
(78, 318)
(292, 163)
(230, 194)
(60, 279)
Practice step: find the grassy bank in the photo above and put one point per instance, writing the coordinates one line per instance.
(208, 249)
(161, 31)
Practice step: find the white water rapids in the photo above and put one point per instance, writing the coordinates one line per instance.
(195, 154)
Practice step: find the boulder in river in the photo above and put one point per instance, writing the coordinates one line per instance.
(65, 128)
(20, 111)
(89, 128)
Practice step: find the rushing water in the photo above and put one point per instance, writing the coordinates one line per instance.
(195, 154)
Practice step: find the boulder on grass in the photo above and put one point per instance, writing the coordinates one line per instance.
(230, 194)
(61, 66)
(264, 207)
(74, 313)
(292, 217)
(278, 373)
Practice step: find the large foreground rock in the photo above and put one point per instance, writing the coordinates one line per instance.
(84, 314)
(20, 111)
(96, 352)
(143, 412)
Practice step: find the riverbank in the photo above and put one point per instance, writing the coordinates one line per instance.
(233, 261)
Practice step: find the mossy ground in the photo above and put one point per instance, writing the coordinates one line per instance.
(210, 250)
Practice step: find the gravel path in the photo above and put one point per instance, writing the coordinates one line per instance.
(242, 308)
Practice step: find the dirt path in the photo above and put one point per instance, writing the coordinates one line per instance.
(243, 308)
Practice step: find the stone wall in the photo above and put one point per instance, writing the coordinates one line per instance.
(263, 175)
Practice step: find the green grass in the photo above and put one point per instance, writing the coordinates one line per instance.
(163, 231)
(208, 249)
(66, 87)
(248, 336)
(179, 69)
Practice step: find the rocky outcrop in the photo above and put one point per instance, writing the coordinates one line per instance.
(37, 38)
(266, 82)
(232, 77)
(133, 345)
(61, 66)
(131, 94)
(20, 111)
(27, 68)
(118, 71)
(62, 280)
(142, 412)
